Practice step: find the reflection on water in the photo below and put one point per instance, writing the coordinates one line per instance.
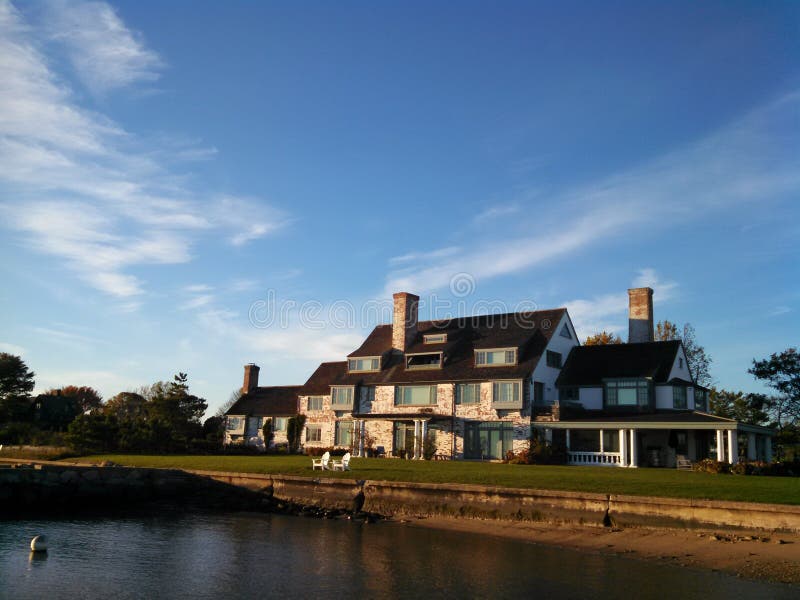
(248, 556)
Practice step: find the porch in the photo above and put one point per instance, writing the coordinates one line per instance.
(663, 444)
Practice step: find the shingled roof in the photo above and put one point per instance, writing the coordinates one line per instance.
(272, 401)
(529, 332)
(589, 365)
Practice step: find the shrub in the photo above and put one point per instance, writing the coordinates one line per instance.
(315, 451)
(709, 465)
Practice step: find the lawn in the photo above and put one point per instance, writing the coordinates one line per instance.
(643, 482)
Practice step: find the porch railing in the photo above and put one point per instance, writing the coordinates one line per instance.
(600, 459)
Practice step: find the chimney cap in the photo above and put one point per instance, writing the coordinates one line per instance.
(404, 294)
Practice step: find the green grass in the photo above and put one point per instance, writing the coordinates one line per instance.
(643, 482)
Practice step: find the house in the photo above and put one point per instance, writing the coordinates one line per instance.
(454, 388)
(244, 421)
(477, 387)
(637, 404)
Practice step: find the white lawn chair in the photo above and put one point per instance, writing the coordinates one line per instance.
(323, 462)
(342, 465)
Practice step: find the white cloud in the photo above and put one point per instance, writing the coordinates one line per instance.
(105, 54)
(493, 212)
(608, 312)
(197, 302)
(79, 187)
(417, 256)
(746, 162)
(108, 383)
(12, 348)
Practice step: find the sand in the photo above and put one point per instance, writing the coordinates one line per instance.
(754, 555)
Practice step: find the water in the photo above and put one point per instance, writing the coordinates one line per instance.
(254, 555)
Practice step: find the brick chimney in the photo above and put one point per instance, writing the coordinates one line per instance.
(404, 320)
(250, 378)
(640, 315)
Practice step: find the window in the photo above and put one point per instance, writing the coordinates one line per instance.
(403, 438)
(343, 434)
(234, 423)
(570, 394)
(565, 332)
(538, 393)
(678, 396)
(341, 397)
(553, 359)
(585, 440)
(488, 439)
(627, 392)
(313, 433)
(435, 338)
(369, 395)
(314, 403)
(700, 399)
(279, 423)
(506, 394)
(415, 395)
(424, 361)
(680, 363)
(468, 393)
(372, 363)
(485, 358)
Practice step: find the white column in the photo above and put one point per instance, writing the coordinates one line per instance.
(720, 445)
(568, 440)
(633, 449)
(416, 439)
(751, 447)
(424, 427)
(768, 448)
(601, 442)
(623, 448)
(733, 446)
(361, 425)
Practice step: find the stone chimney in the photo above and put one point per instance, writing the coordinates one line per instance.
(250, 378)
(640, 315)
(404, 320)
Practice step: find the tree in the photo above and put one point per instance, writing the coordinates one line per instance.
(16, 384)
(781, 371)
(747, 408)
(127, 406)
(86, 398)
(294, 429)
(603, 338)
(93, 433)
(699, 362)
(172, 408)
(266, 431)
(226, 406)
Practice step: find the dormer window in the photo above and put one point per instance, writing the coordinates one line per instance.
(432, 360)
(435, 338)
(494, 358)
(364, 365)
(565, 332)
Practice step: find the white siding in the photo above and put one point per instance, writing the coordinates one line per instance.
(664, 396)
(562, 345)
(591, 398)
(680, 368)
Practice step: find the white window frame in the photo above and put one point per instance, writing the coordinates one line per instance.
(459, 386)
(314, 428)
(415, 367)
(481, 357)
(339, 405)
(513, 404)
(434, 338)
(321, 403)
(375, 365)
(432, 398)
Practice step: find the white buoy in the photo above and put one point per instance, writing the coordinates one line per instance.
(39, 544)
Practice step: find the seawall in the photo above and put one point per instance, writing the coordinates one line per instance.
(49, 482)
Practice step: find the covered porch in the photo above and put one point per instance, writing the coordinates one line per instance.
(408, 436)
(649, 441)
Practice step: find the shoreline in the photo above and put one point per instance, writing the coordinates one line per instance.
(750, 554)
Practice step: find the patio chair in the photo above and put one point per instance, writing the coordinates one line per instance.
(342, 465)
(323, 462)
(683, 463)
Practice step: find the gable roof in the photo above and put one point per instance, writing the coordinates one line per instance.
(272, 401)
(529, 332)
(589, 365)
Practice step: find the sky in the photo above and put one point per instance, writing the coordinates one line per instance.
(192, 186)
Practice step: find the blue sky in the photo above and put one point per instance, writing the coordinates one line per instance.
(196, 185)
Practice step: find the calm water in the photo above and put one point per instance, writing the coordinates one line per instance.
(254, 555)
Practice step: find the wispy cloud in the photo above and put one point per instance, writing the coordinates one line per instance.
(78, 186)
(417, 256)
(608, 312)
(493, 212)
(70, 339)
(105, 54)
(749, 161)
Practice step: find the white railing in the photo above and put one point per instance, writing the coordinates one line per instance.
(599, 459)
